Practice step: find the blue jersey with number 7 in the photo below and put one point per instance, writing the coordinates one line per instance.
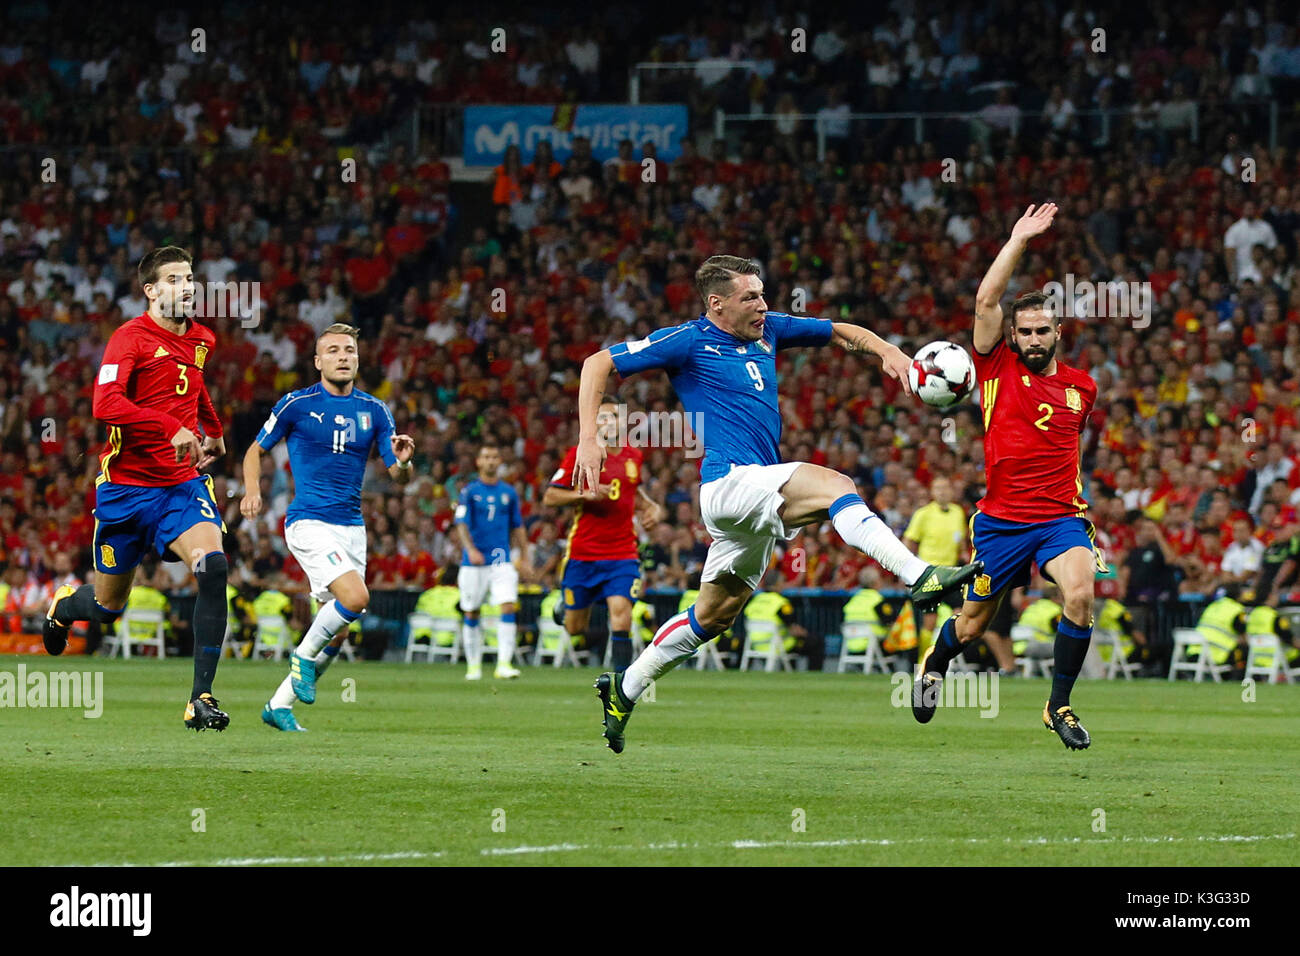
(489, 512)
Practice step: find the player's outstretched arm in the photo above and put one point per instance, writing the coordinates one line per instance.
(591, 453)
(854, 338)
(988, 308)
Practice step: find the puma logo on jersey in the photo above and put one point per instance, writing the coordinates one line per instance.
(160, 353)
(714, 349)
(318, 416)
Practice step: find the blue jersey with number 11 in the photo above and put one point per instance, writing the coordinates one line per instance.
(727, 385)
(329, 437)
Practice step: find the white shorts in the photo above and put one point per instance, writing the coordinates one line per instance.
(327, 552)
(741, 512)
(477, 580)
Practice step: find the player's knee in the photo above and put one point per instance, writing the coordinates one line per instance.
(356, 600)
(211, 571)
(968, 628)
(1079, 609)
(107, 615)
(837, 486)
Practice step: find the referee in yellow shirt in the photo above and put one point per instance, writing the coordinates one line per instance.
(936, 535)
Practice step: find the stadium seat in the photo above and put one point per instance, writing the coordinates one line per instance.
(232, 644)
(1029, 664)
(873, 658)
(143, 627)
(772, 654)
(561, 650)
(272, 636)
(708, 657)
(1118, 663)
(435, 627)
(1190, 639)
(1272, 670)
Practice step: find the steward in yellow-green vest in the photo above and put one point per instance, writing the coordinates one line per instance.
(273, 605)
(549, 639)
(1223, 625)
(726, 639)
(1111, 615)
(1266, 620)
(440, 603)
(643, 622)
(145, 598)
(1043, 616)
(867, 606)
(769, 606)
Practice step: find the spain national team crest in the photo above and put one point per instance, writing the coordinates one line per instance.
(363, 420)
(983, 583)
(762, 344)
(200, 356)
(1073, 400)
(631, 470)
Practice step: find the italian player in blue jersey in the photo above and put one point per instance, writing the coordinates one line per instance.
(330, 429)
(723, 368)
(488, 522)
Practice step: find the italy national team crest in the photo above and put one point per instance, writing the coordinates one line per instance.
(762, 344)
(200, 356)
(982, 585)
(363, 420)
(1073, 400)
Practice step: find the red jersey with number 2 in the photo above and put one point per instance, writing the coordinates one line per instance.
(150, 385)
(1032, 424)
(602, 530)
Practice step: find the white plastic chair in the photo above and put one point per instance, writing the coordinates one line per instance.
(1028, 662)
(563, 652)
(272, 635)
(122, 637)
(774, 654)
(433, 650)
(1260, 646)
(1190, 639)
(1118, 663)
(873, 657)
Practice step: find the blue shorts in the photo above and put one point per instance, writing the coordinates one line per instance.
(586, 582)
(132, 518)
(1009, 549)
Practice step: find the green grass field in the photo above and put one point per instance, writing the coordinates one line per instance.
(426, 769)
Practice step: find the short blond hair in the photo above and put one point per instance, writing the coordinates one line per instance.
(340, 328)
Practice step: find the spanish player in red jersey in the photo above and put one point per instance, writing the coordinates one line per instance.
(601, 559)
(149, 494)
(1035, 408)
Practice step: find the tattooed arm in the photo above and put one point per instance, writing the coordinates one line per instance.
(856, 339)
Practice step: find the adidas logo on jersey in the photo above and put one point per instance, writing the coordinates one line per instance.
(160, 353)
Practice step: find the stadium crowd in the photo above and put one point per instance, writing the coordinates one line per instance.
(477, 329)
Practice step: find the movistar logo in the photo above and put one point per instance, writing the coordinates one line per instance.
(486, 141)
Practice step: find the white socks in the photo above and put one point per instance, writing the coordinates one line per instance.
(862, 528)
(330, 619)
(672, 644)
(506, 643)
(472, 637)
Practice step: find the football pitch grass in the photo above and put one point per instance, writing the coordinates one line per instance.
(423, 768)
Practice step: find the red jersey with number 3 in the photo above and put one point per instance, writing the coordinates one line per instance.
(602, 530)
(1032, 424)
(150, 385)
